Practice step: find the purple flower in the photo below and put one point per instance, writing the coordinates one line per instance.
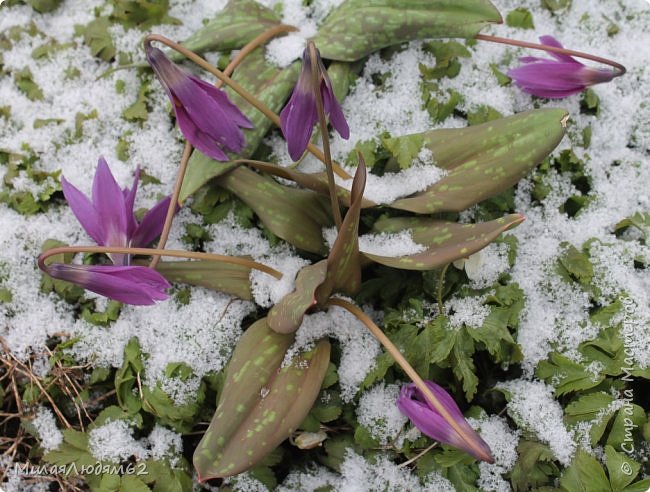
(109, 217)
(206, 116)
(425, 417)
(137, 285)
(298, 117)
(557, 78)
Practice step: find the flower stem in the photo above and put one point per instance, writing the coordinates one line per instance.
(316, 78)
(173, 203)
(187, 150)
(160, 252)
(408, 369)
(542, 47)
(250, 98)
(441, 284)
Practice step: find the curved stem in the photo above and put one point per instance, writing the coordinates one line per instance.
(316, 78)
(155, 251)
(247, 96)
(554, 49)
(254, 43)
(258, 40)
(173, 203)
(408, 369)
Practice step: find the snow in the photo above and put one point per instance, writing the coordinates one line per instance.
(114, 442)
(359, 475)
(48, 432)
(484, 267)
(503, 443)
(378, 412)
(359, 348)
(383, 244)
(533, 404)
(267, 290)
(469, 311)
(283, 50)
(201, 334)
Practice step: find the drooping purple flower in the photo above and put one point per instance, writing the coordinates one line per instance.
(561, 77)
(109, 219)
(425, 417)
(298, 117)
(136, 285)
(206, 116)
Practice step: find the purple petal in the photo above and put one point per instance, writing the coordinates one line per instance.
(129, 284)
(168, 73)
(129, 203)
(110, 205)
(223, 101)
(208, 116)
(411, 403)
(333, 108)
(551, 41)
(429, 422)
(84, 210)
(551, 75)
(533, 59)
(151, 225)
(297, 121)
(199, 140)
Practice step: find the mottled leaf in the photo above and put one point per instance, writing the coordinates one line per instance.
(485, 159)
(261, 404)
(359, 27)
(446, 241)
(234, 26)
(295, 215)
(215, 275)
(343, 265)
(286, 316)
(268, 84)
(313, 181)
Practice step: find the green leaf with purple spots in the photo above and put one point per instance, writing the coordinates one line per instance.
(359, 27)
(445, 241)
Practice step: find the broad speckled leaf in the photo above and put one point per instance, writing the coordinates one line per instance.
(313, 181)
(238, 23)
(261, 404)
(268, 84)
(446, 241)
(286, 316)
(343, 262)
(359, 27)
(295, 215)
(223, 277)
(486, 159)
